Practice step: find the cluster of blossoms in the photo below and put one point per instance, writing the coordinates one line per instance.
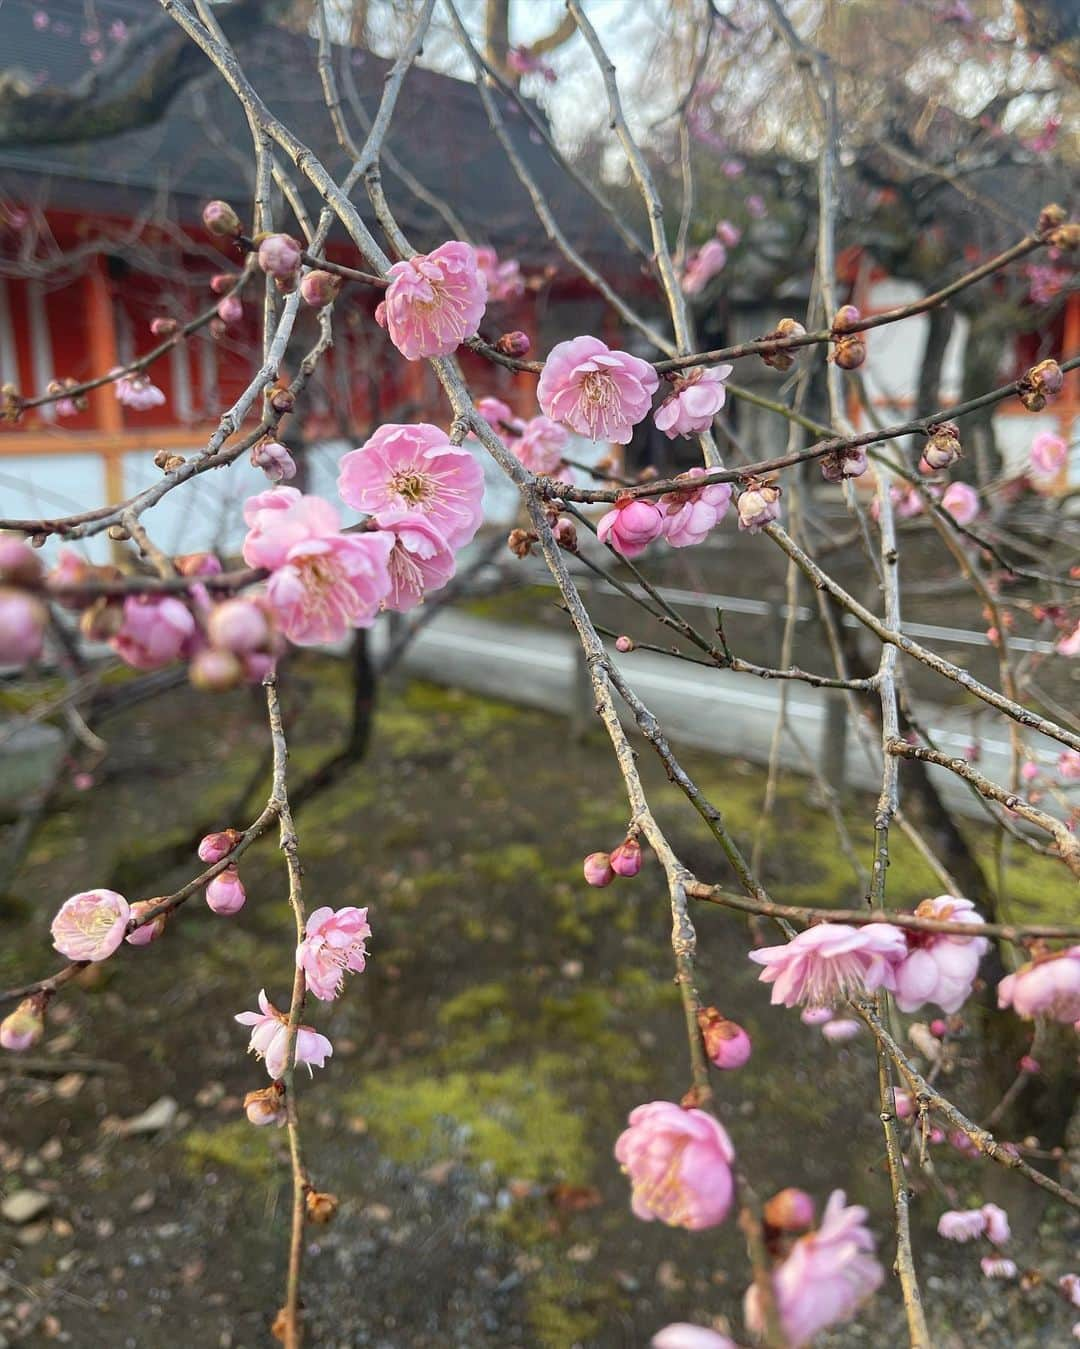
(832, 962)
(504, 279)
(138, 392)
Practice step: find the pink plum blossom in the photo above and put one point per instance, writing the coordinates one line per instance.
(23, 619)
(238, 625)
(504, 280)
(691, 513)
(415, 468)
(728, 234)
(962, 1224)
(230, 309)
(679, 1163)
(274, 459)
(23, 1028)
(334, 944)
(1068, 765)
(146, 932)
(839, 1029)
(694, 401)
(138, 393)
(831, 962)
(1029, 770)
(420, 561)
(630, 526)
(1048, 454)
(816, 1016)
(759, 506)
(541, 445)
(996, 1267)
(1069, 645)
(826, 1276)
(997, 1224)
(156, 630)
(626, 858)
(434, 301)
(90, 925)
(598, 869)
(962, 502)
(225, 893)
(682, 1335)
(703, 265)
(498, 414)
(1070, 1286)
(323, 582)
(269, 1036)
(595, 391)
(940, 967)
(1047, 986)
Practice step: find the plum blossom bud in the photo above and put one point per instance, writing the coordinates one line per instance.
(24, 1027)
(217, 328)
(840, 1029)
(19, 564)
(942, 450)
(266, 1106)
(598, 869)
(216, 846)
(148, 932)
(962, 502)
(726, 1043)
(163, 327)
(215, 671)
(225, 893)
(230, 309)
(962, 1225)
(565, 535)
(239, 626)
(630, 526)
(845, 318)
(221, 220)
(223, 282)
(1029, 1065)
(728, 234)
(841, 464)
(1041, 383)
(624, 644)
(815, 1016)
(279, 257)
(759, 506)
(320, 1206)
(997, 1224)
(783, 360)
(282, 401)
(514, 344)
(520, 542)
(625, 860)
(849, 352)
(22, 626)
(996, 1267)
(198, 564)
(905, 1106)
(1050, 218)
(791, 1210)
(318, 287)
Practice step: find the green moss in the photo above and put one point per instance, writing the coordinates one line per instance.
(514, 1121)
(556, 1315)
(236, 1145)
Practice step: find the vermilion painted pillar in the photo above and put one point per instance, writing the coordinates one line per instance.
(108, 416)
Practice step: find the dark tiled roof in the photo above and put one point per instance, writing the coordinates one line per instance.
(201, 147)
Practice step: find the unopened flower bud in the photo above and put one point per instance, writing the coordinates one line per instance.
(783, 360)
(565, 535)
(24, 1027)
(625, 860)
(10, 403)
(318, 287)
(789, 1211)
(148, 932)
(221, 220)
(225, 893)
(943, 448)
(849, 352)
(598, 870)
(845, 318)
(274, 460)
(520, 542)
(197, 564)
(266, 1106)
(1050, 217)
(279, 256)
(230, 309)
(841, 1028)
(1029, 1065)
(320, 1206)
(939, 1027)
(22, 626)
(162, 327)
(1066, 237)
(905, 1106)
(1041, 383)
(215, 671)
(239, 626)
(726, 1043)
(514, 344)
(841, 464)
(282, 401)
(217, 328)
(624, 644)
(223, 282)
(19, 564)
(214, 847)
(759, 506)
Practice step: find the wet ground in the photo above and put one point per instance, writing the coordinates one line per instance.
(484, 1063)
